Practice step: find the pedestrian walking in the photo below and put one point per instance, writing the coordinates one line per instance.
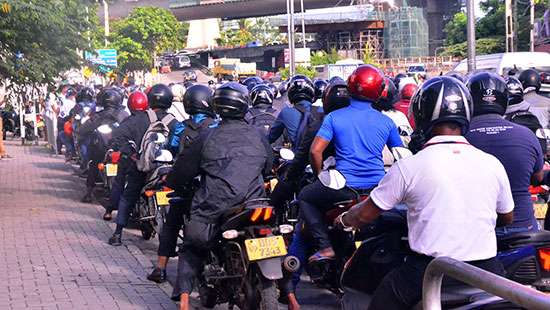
(3, 153)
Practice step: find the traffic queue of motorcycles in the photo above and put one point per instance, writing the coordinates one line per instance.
(249, 264)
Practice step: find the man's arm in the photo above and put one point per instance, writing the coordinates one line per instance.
(505, 201)
(505, 219)
(301, 157)
(362, 213)
(394, 139)
(318, 146)
(276, 129)
(269, 162)
(538, 175)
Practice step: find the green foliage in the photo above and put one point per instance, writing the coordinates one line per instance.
(48, 33)
(307, 71)
(323, 58)
(494, 21)
(143, 34)
(456, 29)
(369, 58)
(483, 46)
(249, 30)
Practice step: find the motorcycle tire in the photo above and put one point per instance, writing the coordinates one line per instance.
(207, 296)
(147, 230)
(260, 293)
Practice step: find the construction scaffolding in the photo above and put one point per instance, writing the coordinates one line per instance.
(406, 32)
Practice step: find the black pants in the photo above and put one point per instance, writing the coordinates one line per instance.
(117, 187)
(402, 287)
(135, 181)
(196, 244)
(168, 239)
(282, 193)
(96, 156)
(315, 200)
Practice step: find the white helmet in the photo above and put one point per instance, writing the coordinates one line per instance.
(178, 90)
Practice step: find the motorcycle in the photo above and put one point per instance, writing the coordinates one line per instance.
(152, 207)
(108, 168)
(246, 259)
(10, 122)
(525, 257)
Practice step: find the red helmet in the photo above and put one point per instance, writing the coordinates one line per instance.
(408, 91)
(137, 101)
(366, 83)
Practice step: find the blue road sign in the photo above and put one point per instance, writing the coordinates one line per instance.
(106, 57)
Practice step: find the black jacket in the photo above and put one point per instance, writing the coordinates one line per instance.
(107, 116)
(230, 160)
(133, 129)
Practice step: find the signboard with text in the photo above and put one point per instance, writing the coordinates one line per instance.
(103, 57)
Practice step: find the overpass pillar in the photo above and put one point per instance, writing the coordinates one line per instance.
(203, 33)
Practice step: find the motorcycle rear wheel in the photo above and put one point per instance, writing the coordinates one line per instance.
(259, 292)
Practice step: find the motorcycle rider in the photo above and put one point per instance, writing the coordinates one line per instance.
(252, 81)
(198, 103)
(137, 101)
(67, 102)
(177, 108)
(538, 105)
(320, 86)
(359, 134)
(405, 95)
(515, 146)
(301, 94)
(85, 98)
(230, 160)
(466, 198)
(113, 112)
(261, 115)
(160, 99)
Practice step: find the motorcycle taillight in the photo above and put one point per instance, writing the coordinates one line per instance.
(258, 212)
(544, 258)
(115, 157)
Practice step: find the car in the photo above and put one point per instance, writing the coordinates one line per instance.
(190, 76)
(181, 61)
(415, 69)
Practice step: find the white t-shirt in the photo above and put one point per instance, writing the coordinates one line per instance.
(453, 192)
(66, 106)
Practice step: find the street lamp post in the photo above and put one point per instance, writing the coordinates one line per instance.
(471, 35)
(303, 23)
(106, 21)
(291, 46)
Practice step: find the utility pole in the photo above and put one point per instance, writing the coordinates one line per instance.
(303, 24)
(532, 24)
(106, 17)
(510, 26)
(290, 19)
(471, 35)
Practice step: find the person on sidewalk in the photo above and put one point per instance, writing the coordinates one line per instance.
(3, 153)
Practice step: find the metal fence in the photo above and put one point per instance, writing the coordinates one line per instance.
(514, 292)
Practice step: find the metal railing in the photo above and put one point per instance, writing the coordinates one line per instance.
(514, 292)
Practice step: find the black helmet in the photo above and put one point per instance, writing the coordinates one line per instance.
(397, 79)
(274, 89)
(251, 82)
(283, 87)
(441, 99)
(515, 90)
(390, 95)
(530, 79)
(320, 86)
(160, 97)
(231, 100)
(198, 99)
(86, 94)
(261, 94)
(456, 75)
(336, 96)
(489, 93)
(109, 97)
(300, 88)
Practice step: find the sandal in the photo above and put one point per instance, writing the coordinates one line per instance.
(107, 216)
(317, 257)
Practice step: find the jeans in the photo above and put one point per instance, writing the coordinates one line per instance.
(168, 239)
(506, 231)
(135, 182)
(63, 139)
(315, 200)
(118, 184)
(402, 287)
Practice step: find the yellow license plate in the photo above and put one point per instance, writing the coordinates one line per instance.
(263, 248)
(162, 199)
(540, 210)
(111, 170)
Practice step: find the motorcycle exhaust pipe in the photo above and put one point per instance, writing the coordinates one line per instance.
(291, 263)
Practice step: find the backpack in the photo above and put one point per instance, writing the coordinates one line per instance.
(529, 120)
(148, 148)
(262, 120)
(192, 131)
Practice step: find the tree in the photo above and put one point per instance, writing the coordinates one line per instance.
(324, 58)
(456, 29)
(307, 71)
(143, 34)
(250, 30)
(48, 35)
(483, 46)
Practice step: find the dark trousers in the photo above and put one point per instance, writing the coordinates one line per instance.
(402, 287)
(193, 255)
(282, 193)
(135, 181)
(63, 139)
(315, 200)
(117, 187)
(168, 239)
(97, 155)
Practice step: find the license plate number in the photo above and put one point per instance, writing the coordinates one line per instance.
(111, 170)
(162, 199)
(263, 248)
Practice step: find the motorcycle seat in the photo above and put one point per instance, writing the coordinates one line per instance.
(520, 239)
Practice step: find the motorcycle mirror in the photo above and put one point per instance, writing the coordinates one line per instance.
(543, 133)
(400, 153)
(165, 156)
(332, 178)
(286, 154)
(84, 119)
(160, 138)
(104, 129)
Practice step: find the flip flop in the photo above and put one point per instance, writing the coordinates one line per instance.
(317, 257)
(107, 216)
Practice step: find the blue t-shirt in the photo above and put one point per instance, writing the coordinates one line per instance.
(520, 153)
(289, 119)
(359, 134)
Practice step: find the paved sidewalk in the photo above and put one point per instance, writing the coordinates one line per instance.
(53, 250)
